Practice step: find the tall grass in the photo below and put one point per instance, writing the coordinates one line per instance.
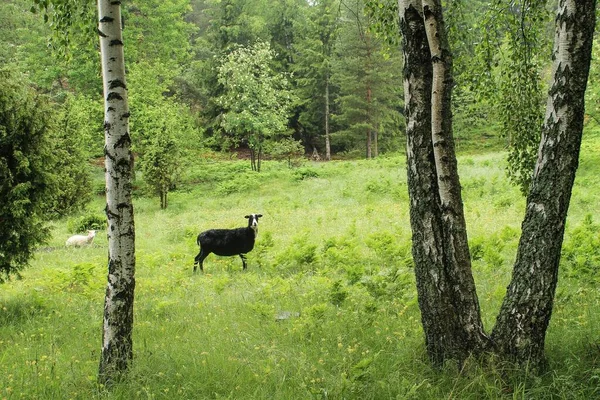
(327, 308)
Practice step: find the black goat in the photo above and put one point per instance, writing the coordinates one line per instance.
(228, 242)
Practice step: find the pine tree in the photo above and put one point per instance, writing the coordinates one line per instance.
(366, 72)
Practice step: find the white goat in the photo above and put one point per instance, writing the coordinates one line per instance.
(81, 240)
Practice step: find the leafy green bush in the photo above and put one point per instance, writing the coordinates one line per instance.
(239, 183)
(305, 173)
(87, 222)
(380, 186)
(581, 251)
(27, 183)
(339, 250)
(390, 283)
(262, 249)
(390, 248)
(79, 279)
(299, 253)
(337, 293)
(476, 247)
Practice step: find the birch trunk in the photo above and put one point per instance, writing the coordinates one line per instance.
(117, 349)
(456, 246)
(446, 292)
(425, 217)
(520, 329)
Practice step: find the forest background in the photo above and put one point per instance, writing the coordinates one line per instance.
(329, 77)
(340, 92)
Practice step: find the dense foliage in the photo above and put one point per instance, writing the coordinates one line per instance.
(26, 180)
(160, 166)
(255, 99)
(340, 59)
(43, 168)
(510, 56)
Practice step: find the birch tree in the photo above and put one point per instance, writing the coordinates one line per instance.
(520, 329)
(117, 347)
(456, 247)
(256, 99)
(447, 297)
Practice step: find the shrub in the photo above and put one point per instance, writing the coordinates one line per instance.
(160, 165)
(299, 253)
(91, 221)
(337, 293)
(390, 248)
(27, 184)
(581, 251)
(262, 248)
(244, 182)
(305, 173)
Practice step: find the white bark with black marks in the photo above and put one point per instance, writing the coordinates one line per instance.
(446, 291)
(117, 349)
(520, 330)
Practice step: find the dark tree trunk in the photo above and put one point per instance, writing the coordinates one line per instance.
(327, 139)
(456, 246)
(252, 159)
(448, 304)
(259, 157)
(376, 143)
(368, 69)
(163, 197)
(369, 132)
(521, 325)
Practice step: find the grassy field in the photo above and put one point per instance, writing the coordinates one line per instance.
(327, 308)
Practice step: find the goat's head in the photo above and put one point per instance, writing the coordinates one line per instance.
(91, 233)
(253, 221)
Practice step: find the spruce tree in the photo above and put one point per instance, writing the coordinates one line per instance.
(26, 182)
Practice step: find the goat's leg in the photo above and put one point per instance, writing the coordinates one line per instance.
(200, 259)
(243, 257)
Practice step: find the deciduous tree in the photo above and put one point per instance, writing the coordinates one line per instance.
(117, 341)
(256, 100)
(520, 330)
(447, 297)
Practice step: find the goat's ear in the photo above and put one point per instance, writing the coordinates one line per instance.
(246, 216)
(258, 215)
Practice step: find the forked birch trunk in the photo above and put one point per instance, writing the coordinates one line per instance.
(425, 217)
(445, 288)
(456, 245)
(117, 348)
(520, 329)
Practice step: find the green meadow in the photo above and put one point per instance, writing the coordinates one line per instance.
(327, 308)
